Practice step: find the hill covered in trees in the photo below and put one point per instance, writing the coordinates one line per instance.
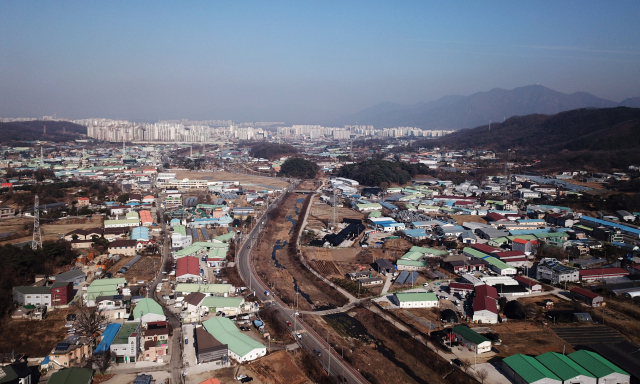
(599, 138)
(34, 130)
(18, 266)
(272, 150)
(299, 167)
(377, 172)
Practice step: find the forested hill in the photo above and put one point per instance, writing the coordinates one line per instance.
(34, 130)
(607, 129)
(272, 151)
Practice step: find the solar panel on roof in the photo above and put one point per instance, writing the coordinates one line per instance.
(62, 346)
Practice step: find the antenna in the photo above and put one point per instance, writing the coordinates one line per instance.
(37, 236)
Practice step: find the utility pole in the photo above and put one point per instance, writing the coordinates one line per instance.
(37, 236)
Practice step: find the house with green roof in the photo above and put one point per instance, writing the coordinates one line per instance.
(125, 347)
(231, 306)
(197, 248)
(241, 347)
(566, 369)
(523, 369)
(471, 339)
(72, 376)
(416, 300)
(147, 310)
(223, 290)
(103, 287)
(428, 251)
(604, 370)
(500, 266)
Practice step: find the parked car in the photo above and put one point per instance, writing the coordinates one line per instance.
(317, 352)
(68, 325)
(289, 323)
(246, 379)
(241, 377)
(457, 362)
(298, 335)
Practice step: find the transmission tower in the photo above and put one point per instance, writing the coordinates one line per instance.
(37, 236)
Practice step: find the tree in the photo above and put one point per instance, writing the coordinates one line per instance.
(482, 375)
(74, 236)
(101, 361)
(248, 220)
(123, 198)
(89, 320)
(299, 167)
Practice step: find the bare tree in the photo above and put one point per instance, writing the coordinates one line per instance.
(101, 361)
(89, 320)
(466, 364)
(482, 375)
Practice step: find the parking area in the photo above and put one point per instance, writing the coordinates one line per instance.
(442, 291)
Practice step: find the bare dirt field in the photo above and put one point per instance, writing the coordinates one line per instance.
(278, 368)
(144, 270)
(527, 337)
(50, 231)
(282, 271)
(468, 218)
(321, 214)
(32, 337)
(265, 182)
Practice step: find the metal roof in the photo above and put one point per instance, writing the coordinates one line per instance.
(594, 363)
(562, 366)
(470, 334)
(529, 368)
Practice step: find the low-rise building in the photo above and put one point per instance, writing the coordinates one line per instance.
(416, 300)
(471, 340)
(588, 275)
(66, 355)
(604, 370)
(72, 375)
(207, 347)
(123, 247)
(523, 369)
(125, 347)
(587, 297)
(554, 271)
(38, 296)
(241, 347)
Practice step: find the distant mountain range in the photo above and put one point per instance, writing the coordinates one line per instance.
(458, 112)
(34, 130)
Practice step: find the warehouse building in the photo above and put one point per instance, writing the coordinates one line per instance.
(589, 275)
(241, 347)
(587, 297)
(523, 369)
(416, 300)
(207, 347)
(566, 369)
(604, 370)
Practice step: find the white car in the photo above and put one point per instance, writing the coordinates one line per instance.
(298, 335)
(241, 377)
(68, 325)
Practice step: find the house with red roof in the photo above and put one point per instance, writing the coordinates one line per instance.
(187, 269)
(485, 304)
(514, 258)
(524, 245)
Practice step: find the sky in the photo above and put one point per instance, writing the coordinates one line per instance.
(302, 61)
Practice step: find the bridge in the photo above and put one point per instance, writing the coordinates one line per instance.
(305, 191)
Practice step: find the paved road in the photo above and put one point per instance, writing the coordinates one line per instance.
(310, 340)
(176, 347)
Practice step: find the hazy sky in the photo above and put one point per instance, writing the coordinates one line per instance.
(302, 61)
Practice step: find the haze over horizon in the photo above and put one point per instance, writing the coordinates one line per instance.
(301, 62)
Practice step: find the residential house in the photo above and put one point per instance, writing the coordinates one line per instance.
(148, 310)
(123, 247)
(552, 270)
(65, 354)
(74, 276)
(188, 269)
(37, 296)
(16, 373)
(61, 293)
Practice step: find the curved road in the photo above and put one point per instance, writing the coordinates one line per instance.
(310, 340)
